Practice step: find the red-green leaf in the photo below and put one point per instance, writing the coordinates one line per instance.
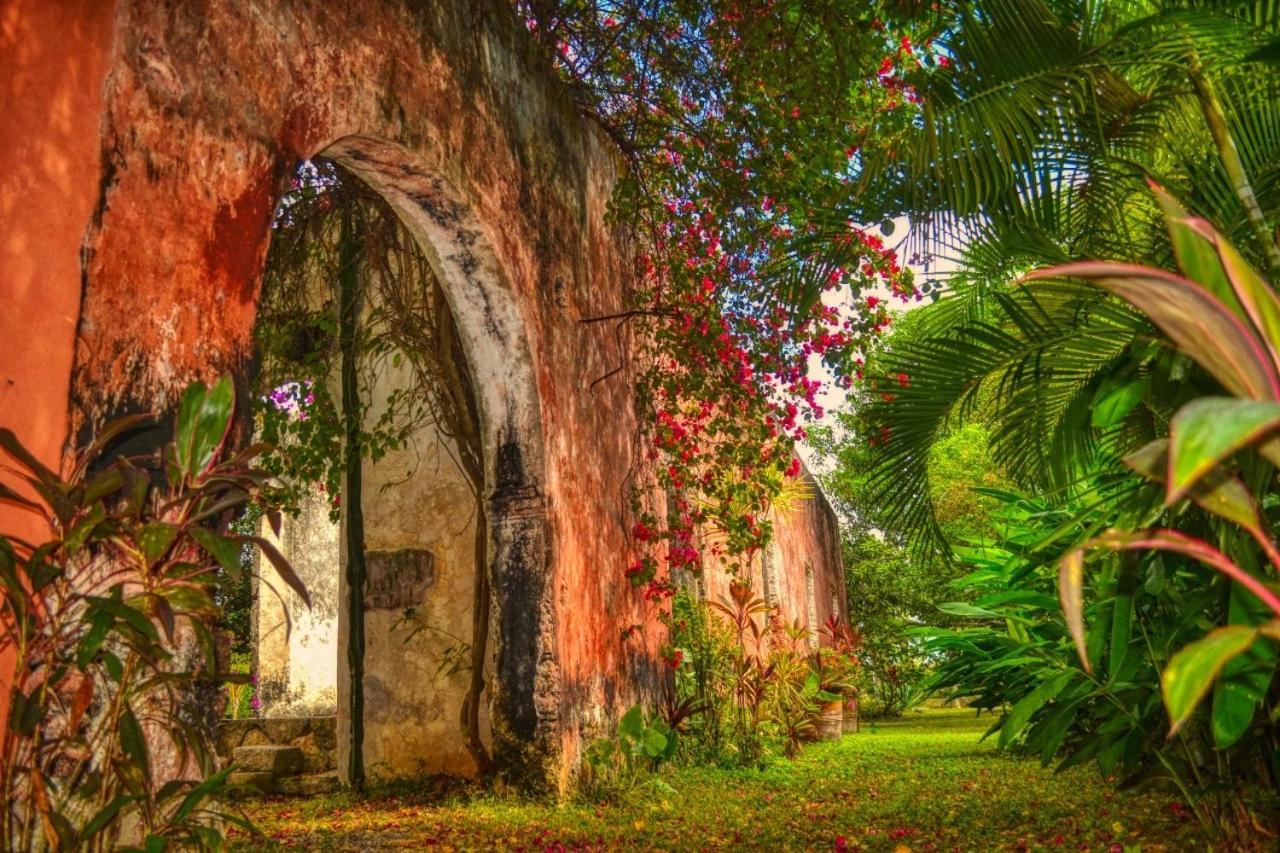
(1218, 492)
(1197, 322)
(1191, 671)
(1071, 591)
(204, 418)
(1208, 430)
(283, 567)
(1259, 300)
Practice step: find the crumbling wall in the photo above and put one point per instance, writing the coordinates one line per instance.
(808, 548)
(801, 570)
(149, 143)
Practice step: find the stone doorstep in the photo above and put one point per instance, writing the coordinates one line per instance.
(278, 730)
(276, 760)
(309, 784)
(244, 784)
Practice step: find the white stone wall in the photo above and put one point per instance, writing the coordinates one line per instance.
(297, 647)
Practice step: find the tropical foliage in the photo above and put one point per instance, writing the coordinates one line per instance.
(747, 685)
(116, 680)
(1198, 553)
(1036, 147)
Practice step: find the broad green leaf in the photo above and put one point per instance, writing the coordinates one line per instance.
(225, 551)
(655, 742)
(1234, 704)
(106, 483)
(135, 618)
(133, 742)
(1192, 670)
(100, 622)
(961, 608)
(1208, 430)
(1244, 681)
(1198, 323)
(1021, 713)
(1112, 407)
(188, 599)
(631, 726)
(204, 417)
(154, 538)
(1122, 617)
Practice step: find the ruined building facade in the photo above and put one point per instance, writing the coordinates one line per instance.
(146, 145)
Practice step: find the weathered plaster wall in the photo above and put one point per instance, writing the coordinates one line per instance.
(296, 647)
(420, 519)
(53, 58)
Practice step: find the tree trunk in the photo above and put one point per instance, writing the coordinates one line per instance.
(1211, 107)
(348, 343)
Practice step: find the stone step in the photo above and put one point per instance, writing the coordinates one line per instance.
(251, 784)
(279, 761)
(310, 784)
(256, 784)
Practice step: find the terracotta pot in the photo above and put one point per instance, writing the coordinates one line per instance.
(850, 715)
(830, 722)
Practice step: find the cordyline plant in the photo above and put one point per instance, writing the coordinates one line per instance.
(108, 620)
(1223, 315)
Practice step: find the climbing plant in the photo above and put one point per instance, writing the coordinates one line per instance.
(743, 123)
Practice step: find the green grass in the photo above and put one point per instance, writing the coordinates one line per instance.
(921, 783)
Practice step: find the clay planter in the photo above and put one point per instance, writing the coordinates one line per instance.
(850, 724)
(830, 722)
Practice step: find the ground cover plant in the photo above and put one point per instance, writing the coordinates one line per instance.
(925, 782)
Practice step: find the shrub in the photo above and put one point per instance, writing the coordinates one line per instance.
(108, 620)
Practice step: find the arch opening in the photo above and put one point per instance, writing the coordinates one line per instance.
(453, 515)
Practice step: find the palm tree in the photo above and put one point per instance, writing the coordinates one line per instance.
(1035, 146)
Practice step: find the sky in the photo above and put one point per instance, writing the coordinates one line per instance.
(832, 396)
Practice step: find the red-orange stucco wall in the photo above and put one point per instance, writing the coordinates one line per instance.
(53, 57)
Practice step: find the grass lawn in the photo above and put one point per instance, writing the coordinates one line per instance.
(922, 783)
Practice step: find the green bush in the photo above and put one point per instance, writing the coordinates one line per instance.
(109, 622)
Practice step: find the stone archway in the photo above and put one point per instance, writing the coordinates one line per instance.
(496, 346)
(200, 112)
